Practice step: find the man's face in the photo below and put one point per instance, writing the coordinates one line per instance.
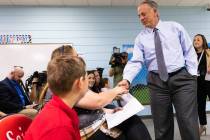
(147, 15)
(17, 75)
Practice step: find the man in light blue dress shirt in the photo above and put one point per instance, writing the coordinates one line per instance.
(179, 87)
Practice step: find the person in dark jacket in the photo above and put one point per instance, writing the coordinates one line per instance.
(13, 98)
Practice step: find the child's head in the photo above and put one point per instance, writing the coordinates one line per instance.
(199, 42)
(91, 78)
(64, 50)
(105, 83)
(65, 72)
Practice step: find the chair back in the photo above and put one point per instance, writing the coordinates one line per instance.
(13, 127)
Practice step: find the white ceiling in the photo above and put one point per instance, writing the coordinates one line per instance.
(102, 2)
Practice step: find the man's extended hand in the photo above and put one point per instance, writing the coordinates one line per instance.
(124, 83)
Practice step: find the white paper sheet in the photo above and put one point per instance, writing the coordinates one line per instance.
(131, 107)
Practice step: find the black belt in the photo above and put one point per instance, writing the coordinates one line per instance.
(172, 73)
(175, 72)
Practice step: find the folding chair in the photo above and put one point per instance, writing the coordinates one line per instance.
(13, 127)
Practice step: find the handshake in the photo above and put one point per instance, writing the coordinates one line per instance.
(121, 88)
(125, 83)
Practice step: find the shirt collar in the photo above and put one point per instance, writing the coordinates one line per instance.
(69, 111)
(158, 26)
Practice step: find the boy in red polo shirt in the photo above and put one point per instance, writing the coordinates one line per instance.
(67, 79)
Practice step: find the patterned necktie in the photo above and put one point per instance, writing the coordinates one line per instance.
(162, 70)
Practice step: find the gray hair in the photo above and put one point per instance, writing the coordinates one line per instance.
(151, 3)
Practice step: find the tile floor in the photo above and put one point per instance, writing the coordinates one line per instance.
(148, 122)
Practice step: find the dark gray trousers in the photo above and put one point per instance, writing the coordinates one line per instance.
(181, 91)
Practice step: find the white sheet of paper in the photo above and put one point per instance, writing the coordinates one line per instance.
(132, 107)
(125, 98)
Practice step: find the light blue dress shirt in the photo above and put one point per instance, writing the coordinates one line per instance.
(177, 50)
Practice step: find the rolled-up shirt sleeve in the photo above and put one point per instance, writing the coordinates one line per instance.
(134, 65)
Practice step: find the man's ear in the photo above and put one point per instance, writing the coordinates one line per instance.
(78, 83)
(12, 73)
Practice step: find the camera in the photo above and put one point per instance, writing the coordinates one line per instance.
(39, 78)
(117, 58)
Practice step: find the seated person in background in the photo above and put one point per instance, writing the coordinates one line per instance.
(105, 84)
(91, 82)
(97, 86)
(35, 84)
(91, 79)
(68, 81)
(13, 99)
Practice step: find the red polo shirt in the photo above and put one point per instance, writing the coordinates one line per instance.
(55, 122)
